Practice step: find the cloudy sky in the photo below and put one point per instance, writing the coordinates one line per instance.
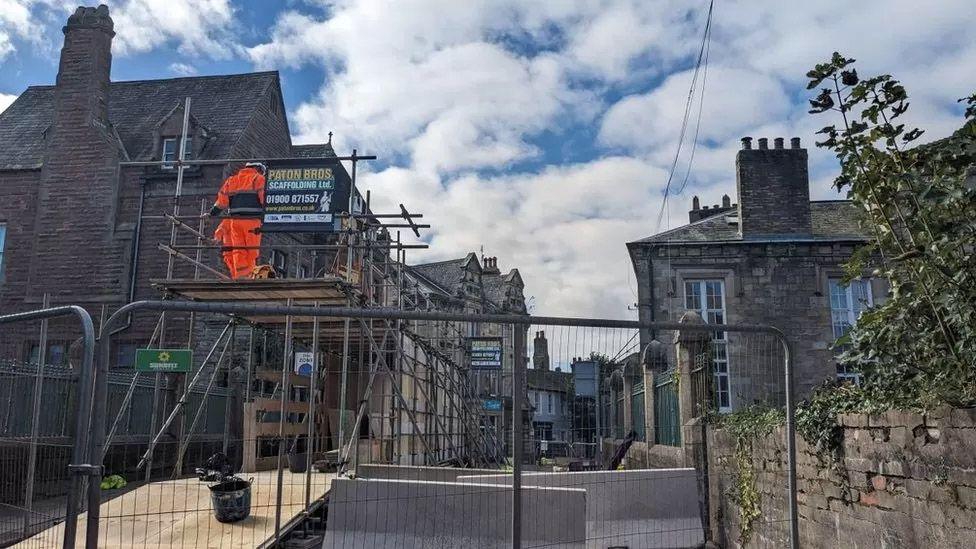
(542, 130)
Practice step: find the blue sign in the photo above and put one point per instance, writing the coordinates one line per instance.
(303, 363)
(492, 405)
(486, 353)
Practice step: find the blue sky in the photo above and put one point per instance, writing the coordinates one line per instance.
(542, 130)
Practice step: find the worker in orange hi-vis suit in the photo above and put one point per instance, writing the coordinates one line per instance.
(242, 198)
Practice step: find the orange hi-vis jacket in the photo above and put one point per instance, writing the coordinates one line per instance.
(242, 194)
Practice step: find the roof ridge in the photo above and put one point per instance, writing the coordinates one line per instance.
(439, 262)
(197, 77)
(680, 227)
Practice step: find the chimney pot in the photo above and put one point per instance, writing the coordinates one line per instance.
(695, 204)
(763, 143)
(715, 206)
(795, 143)
(746, 143)
(726, 201)
(704, 207)
(778, 143)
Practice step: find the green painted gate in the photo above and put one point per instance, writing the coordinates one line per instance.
(667, 420)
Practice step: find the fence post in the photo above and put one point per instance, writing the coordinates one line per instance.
(518, 395)
(36, 418)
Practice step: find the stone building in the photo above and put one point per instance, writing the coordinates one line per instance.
(775, 257)
(467, 285)
(550, 393)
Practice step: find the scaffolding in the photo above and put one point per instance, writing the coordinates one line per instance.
(385, 391)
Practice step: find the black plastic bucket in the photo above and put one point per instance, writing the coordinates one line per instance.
(231, 500)
(297, 463)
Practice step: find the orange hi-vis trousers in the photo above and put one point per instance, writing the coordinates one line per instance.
(236, 234)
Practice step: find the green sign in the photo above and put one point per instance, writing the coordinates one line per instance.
(164, 360)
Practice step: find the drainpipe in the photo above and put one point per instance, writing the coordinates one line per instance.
(134, 259)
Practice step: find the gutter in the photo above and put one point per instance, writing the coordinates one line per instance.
(758, 241)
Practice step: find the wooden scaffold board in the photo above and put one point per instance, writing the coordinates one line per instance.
(178, 513)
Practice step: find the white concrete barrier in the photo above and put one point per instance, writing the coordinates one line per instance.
(448, 515)
(414, 472)
(647, 508)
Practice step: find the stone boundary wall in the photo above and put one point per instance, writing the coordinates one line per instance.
(644, 456)
(904, 480)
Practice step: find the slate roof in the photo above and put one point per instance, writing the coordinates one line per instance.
(549, 380)
(446, 275)
(831, 220)
(317, 150)
(222, 104)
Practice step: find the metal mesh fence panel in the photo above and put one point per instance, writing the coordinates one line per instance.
(314, 427)
(39, 367)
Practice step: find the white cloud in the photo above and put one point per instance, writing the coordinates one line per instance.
(196, 27)
(736, 99)
(16, 23)
(6, 100)
(182, 69)
(563, 227)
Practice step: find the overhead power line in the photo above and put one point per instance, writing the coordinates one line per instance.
(701, 67)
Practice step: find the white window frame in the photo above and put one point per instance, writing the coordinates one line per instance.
(172, 155)
(848, 314)
(720, 364)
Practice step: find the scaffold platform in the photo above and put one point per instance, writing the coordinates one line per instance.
(325, 291)
(177, 513)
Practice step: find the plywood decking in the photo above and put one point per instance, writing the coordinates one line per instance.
(327, 291)
(178, 513)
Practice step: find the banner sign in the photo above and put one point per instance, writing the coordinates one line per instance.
(491, 405)
(303, 363)
(485, 353)
(304, 196)
(163, 360)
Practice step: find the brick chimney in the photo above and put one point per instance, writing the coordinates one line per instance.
(697, 212)
(491, 266)
(76, 195)
(540, 352)
(774, 189)
(81, 96)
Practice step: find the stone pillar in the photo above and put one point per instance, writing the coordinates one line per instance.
(689, 343)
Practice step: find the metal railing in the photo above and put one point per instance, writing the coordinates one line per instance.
(667, 426)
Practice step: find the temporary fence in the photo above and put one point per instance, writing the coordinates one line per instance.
(44, 442)
(407, 463)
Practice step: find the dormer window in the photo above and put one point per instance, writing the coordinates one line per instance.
(171, 150)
